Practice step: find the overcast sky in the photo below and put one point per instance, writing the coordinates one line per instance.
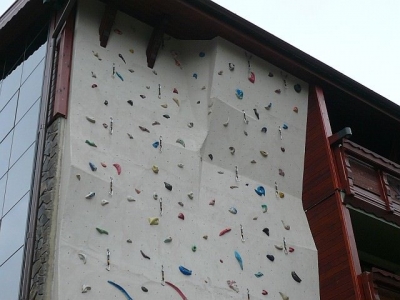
(360, 38)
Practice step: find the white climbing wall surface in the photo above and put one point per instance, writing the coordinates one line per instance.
(214, 158)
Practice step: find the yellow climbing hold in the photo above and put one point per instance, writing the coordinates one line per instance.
(153, 221)
(155, 169)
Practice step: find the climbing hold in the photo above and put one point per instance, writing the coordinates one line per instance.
(297, 88)
(180, 141)
(278, 91)
(90, 143)
(154, 72)
(264, 153)
(101, 231)
(266, 231)
(90, 119)
(131, 70)
(130, 135)
(104, 202)
(232, 150)
(194, 75)
(233, 187)
(264, 129)
(144, 129)
(129, 241)
(296, 277)
(176, 289)
(233, 210)
(131, 51)
(220, 172)
(90, 195)
(269, 106)
(176, 100)
(285, 126)
(155, 123)
(205, 237)
(287, 227)
(168, 240)
(253, 161)
(255, 218)
(117, 31)
(226, 123)
(210, 156)
(239, 259)
(175, 91)
(245, 133)
(78, 176)
(232, 284)
(130, 198)
(153, 221)
(279, 247)
(130, 102)
(260, 190)
(121, 57)
(86, 288)
(284, 297)
(119, 76)
(281, 194)
(166, 116)
(144, 255)
(143, 96)
(155, 169)
(239, 94)
(259, 274)
(138, 191)
(164, 105)
(156, 144)
(181, 216)
(155, 196)
(190, 124)
(212, 202)
(121, 289)
(296, 109)
(252, 77)
(103, 165)
(118, 168)
(168, 186)
(185, 271)
(281, 172)
(190, 195)
(144, 289)
(181, 165)
(202, 54)
(226, 230)
(198, 102)
(203, 87)
(221, 261)
(264, 292)
(82, 257)
(92, 166)
(94, 85)
(96, 55)
(264, 208)
(270, 257)
(105, 125)
(220, 72)
(283, 149)
(194, 248)
(231, 66)
(291, 249)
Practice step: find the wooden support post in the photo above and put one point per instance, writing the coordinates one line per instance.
(107, 21)
(155, 42)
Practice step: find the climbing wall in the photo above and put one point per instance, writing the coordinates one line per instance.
(181, 182)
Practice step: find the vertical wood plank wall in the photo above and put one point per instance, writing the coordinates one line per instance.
(323, 206)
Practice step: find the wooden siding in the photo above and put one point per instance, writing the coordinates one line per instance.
(326, 214)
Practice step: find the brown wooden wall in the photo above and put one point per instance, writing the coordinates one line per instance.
(326, 214)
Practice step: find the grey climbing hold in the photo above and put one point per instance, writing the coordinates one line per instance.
(180, 203)
(144, 129)
(86, 288)
(233, 210)
(226, 123)
(190, 124)
(78, 176)
(270, 74)
(281, 172)
(231, 66)
(142, 96)
(232, 150)
(168, 240)
(264, 153)
(168, 186)
(211, 156)
(245, 133)
(286, 226)
(212, 202)
(180, 141)
(190, 195)
(130, 136)
(269, 106)
(155, 196)
(181, 165)
(279, 247)
(91, 119)
(105, 125)
(131, 70)
(220, 72)
(104, 202)
(82, 257)
(129, 241)
(130, 198)
(253, 161)
(155, 123)
(90, 195)
(164, 105)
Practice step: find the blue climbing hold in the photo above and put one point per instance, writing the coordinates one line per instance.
(156, 144)
(260, 191)
(185, 271)
(239, 94)
(195, 75)
(285, 126)
(259, 274)
(202, 54)
(119, 76)
(92, 166)
(121, 289)
(239, 259)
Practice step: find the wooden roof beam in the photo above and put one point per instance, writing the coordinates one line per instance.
(107, 21)
(155, 42)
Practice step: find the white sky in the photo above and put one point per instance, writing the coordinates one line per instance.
(360, 38)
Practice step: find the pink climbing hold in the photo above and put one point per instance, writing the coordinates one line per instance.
(252, 77)
(177, 290)
(118, 167)
(181, 216)
(226, 230)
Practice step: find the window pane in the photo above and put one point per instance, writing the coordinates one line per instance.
(10, 86)
(25, 133)
(5, 148)
(10, 274)
(30, 91)
(7, 116)
(19, 180)
(32, 61)
(13, 226)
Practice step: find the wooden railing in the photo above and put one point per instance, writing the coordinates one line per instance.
(370, 181)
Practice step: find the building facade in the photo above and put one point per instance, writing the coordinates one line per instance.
(172, 149)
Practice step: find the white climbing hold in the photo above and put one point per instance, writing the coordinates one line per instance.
(284, 297)
(91, 119)
(279, 247)
(86, 288)
(130, 198)
(287, 227)
(82, 257)
(176, 100)
(104, 202)
(164, 105)
(155, 196)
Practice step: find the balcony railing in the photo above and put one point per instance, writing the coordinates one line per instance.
(371, 182)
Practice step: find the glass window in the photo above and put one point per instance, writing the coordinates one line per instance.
(19, 180)
(30, 91)
(25, 133)
(7, 116)
(32, 61)
(13, 226)
(5, 147)
(10, 85)
(10, 274)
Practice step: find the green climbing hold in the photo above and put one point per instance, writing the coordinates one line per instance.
(90, 143)
(180, 141)
(101, 231)
(194, 248)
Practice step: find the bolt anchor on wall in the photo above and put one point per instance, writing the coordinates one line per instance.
(108, 260)
(111, 186)
(244, 118)
(241, 233)
(237, 174)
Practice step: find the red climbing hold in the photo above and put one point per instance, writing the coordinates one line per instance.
(291, 249)
(278, 91)
(181, 216)
(226, 230)
(118, 167)
(264, 292)
(175, 91)
(252, 77)
(94, 85)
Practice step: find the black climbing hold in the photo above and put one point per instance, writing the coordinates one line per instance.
(144, 289)
(264, 129)
(168, 186)
(202, 54)
(166, 116)
(210, 156)
(198, 102)
(256, 113)
(296, 277)
(130, 102)
(270, 257)
(266, 231)
(121, 57)
(105, 102)
(297, 88)
(270, 74)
